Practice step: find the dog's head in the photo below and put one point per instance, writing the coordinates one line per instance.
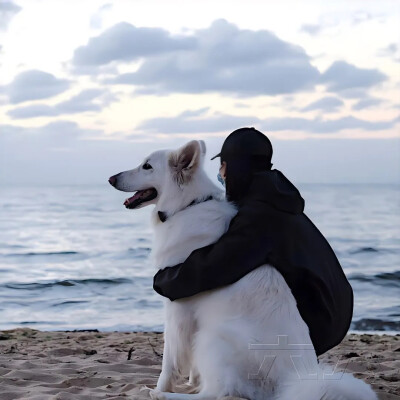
(163, 174)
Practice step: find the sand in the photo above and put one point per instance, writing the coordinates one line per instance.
(95, 365)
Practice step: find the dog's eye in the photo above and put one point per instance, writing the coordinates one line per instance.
(146, 165)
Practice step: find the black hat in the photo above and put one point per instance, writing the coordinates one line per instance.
(245, 142)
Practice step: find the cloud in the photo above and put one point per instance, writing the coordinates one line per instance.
(57, 134)
(60, 129)
(361, 16)
(63, 152)
(196, 122)
(8, 10)
(241, 105)
(327, 104)
(367, 103)
(357, 93)
(32, 111)
(333, 20)
(125, 42)
(34, 85)
(334, 160)
(96, 21)
(227, 59)
(318, 125)
(342, 76)
(311, 29)
(392, 51)
(193, 121)
(87, 100)
(194, 113)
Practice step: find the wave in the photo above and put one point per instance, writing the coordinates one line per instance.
(70, 302)
(72, 282)
(140, 252)
(39, 323)
(11, 246)
(383, 278)
(144, 303)
(365, 250)
(50, 253)
(374, 250)
(372, 324)
(395, 276)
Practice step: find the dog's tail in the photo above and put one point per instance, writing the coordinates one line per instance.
(329, 386)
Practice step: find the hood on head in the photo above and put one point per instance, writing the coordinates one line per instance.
(274, 188)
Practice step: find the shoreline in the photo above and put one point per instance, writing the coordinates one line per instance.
(111, 330)
(85, 365)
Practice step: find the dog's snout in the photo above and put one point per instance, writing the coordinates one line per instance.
(113, 180)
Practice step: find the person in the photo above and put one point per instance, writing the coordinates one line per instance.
(269, 228)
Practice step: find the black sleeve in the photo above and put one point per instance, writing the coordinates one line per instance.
(240, 250)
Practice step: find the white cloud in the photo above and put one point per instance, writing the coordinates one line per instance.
(96, 20)
(34, 85)
(333, 20)
(54, 132)
(251, 56)
(87, 100)
(64, 153)
(8, 10)
(342, 76)
(125, 42)
(392, 51)
(311, 29)
(194, 121)
(368, 102)
(226, 60)
(222, 58)
(321, 126)
(327, 104)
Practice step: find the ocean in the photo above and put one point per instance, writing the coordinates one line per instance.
(72, 257)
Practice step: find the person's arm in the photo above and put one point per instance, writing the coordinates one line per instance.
(240, 250)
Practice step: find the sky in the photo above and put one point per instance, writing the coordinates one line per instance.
(89, 88)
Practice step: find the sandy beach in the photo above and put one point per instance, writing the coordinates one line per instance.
(94, 365)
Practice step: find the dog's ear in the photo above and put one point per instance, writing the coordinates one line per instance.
(185, 161)
(203, 147)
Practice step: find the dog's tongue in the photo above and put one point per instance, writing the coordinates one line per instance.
(130, 200)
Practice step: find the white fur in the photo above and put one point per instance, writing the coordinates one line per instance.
(209, 335)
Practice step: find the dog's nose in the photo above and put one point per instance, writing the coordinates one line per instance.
(113, 180)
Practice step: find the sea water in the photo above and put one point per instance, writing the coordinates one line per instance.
(72, 257)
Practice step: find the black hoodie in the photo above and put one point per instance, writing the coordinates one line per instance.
(271, 228)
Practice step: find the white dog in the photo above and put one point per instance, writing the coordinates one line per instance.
(246, 339)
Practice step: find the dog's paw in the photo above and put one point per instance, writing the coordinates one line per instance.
(156, 394)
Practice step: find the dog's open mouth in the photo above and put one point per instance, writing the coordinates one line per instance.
(140, 197)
